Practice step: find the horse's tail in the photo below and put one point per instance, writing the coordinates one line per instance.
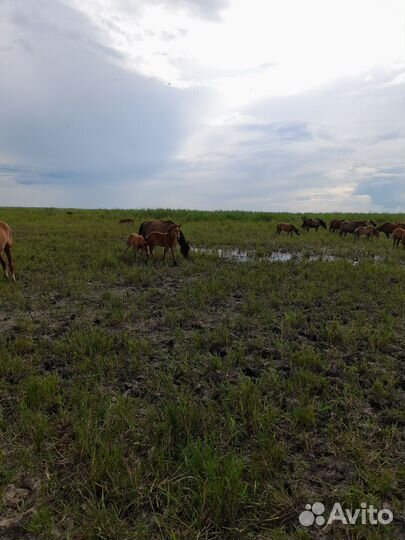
(184, 245)
(141, 228)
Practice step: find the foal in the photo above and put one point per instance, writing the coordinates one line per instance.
(6, 243)
(167, 240)
(398, 235)
(137, 242)
(368, 232)
(288, 228)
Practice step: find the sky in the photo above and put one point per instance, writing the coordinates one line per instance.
(263, 105)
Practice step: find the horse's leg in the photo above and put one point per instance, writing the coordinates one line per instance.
(3, 264)
(164, 253)
(174, 256)
(9, 255)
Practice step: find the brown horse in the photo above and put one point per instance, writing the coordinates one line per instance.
(6, 243)
(288, 228)
(309, 223)
(350, 227)
(167, 240)
(389, 228)
(335, 224)
(126, 220)
(366, 231)
(137, 242)
(398, 235)
(163, 227)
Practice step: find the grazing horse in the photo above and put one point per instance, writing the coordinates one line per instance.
(167, 240)
(398, 235)
(126, 220)
(288, 228)
(309, 223)
(389, 228)
(350, 226)
(163, 227)
(366, 231)
(137, 242)
(335, 224)
(6, 243)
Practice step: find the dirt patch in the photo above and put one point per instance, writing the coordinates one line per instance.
(18, 502)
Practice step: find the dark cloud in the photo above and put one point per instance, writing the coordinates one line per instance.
(70, 114)
(386, 188)
(283, 131)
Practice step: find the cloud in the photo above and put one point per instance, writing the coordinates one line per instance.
(325, 149)
(204, 104)
(385, 187)
(71, 115)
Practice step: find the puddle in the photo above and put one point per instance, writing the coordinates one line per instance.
(244, 255)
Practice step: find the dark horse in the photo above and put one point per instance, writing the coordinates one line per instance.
(309, 223)
(158, 225)
(389, 228)
(335, 224)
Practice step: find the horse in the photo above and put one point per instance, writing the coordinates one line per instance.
(335, 224)
(309, 223)
(126, 220)
(288, 228)
(350, 226)
(167, 240)
(367, 231)
(164, 226)
(398, 235)
(137, 242)
(6, 243)
(389, 228)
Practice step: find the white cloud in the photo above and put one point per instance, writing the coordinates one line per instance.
(255, 49)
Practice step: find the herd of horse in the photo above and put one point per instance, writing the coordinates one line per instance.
(168, 234)
(367, 228)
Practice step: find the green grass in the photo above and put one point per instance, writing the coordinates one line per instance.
(211, 400)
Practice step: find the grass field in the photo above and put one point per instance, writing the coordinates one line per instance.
(208, 400)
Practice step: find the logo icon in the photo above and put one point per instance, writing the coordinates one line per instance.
(307, 517)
